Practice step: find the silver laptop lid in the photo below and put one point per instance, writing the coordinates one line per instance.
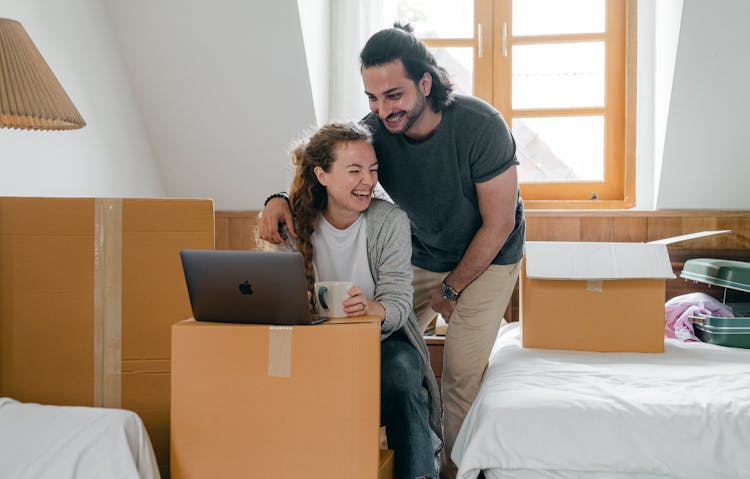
(247, 286)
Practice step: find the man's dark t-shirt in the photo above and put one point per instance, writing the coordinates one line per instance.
(434, 181)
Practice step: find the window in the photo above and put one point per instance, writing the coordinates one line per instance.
(562, 76)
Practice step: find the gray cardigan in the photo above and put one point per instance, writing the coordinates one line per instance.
(389, 256)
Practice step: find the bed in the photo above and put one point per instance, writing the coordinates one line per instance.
(568, 414)
(59, 442)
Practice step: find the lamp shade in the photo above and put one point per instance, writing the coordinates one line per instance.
(31, 98)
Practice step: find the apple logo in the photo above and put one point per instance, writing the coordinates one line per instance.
(246, 288)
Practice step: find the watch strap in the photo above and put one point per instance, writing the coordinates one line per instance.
(449, 294)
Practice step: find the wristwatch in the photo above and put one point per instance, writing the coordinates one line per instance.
(449, 294)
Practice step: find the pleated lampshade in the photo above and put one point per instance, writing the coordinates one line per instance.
(31, 98)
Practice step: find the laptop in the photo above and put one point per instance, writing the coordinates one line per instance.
(248, 287)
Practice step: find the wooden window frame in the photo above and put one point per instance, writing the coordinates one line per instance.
(492, 72)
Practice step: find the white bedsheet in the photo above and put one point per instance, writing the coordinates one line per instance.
(544, 414)
(59, 442)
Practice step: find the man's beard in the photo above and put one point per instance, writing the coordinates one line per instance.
(413, 115)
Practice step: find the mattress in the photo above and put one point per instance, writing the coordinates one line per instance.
(558, 414)
(66, 442)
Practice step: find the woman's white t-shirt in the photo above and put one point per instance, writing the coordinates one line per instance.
(341, 255)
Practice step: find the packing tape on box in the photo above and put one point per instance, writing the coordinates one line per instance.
(280, 351)
(107, 302)
(595, 285)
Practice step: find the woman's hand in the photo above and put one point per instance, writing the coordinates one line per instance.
(358, 305)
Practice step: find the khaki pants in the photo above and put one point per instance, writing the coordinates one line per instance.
(472, 330)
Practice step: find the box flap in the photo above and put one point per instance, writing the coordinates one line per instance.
(677, 239)
(597, 260)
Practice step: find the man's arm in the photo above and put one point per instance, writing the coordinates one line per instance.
(497, 206)
(274, 214)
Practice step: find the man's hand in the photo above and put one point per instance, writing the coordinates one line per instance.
(275, 213)
(442, 305)
(497, 205)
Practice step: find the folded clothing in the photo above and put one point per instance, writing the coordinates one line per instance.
(678, 310)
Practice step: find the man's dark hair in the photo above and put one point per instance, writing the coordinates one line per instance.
(399, 43)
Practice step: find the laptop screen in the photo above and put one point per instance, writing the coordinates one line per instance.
(248, 287)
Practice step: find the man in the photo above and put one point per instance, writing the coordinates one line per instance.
(449, 161)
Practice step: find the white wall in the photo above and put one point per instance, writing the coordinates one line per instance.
(352, 23)
(706, 161)
(111, 156)
(644, 145)
(208, 96)
(224, 88)
(316, 26)
(668, 15)
(691, 148)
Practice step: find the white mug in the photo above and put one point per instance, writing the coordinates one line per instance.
(330, 297)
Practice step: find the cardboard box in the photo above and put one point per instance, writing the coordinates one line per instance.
(276, 401)
(89, 289)
(385, 469)
(596, 296)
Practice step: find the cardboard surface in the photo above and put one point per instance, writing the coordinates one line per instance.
(231, 417)
(592, 260)
(385, 469)
(46, 300)
(626, 315)
(689, 236)
(603, 260)
(154, 297)
(596, 296)
(89, 289)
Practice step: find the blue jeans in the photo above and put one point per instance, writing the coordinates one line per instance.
(403, 409)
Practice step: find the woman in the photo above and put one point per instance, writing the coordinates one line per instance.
(346, 235)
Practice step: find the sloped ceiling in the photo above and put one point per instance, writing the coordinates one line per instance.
(223, 87)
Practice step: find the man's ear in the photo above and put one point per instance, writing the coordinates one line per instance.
(320, 174)
(425, 84)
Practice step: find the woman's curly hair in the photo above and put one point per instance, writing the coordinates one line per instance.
(307, 197)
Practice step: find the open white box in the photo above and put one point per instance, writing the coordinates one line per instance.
(596, 296)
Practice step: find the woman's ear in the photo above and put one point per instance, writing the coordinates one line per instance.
(320, 174)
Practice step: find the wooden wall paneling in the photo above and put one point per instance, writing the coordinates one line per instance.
(659, 227)
(629, 229)
(694, 224)
(596, 228)
(553, 228)
(511, 312)
(242, 234)
(235, 230)
(565, 229)
(740, 235)
(566, 226)
(536, 228)
(222, 232)
(251, 226)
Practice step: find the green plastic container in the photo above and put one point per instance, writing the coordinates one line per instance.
(732, 332)
(718, 272)
(734, 337)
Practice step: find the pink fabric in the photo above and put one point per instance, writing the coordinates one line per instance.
(678, 309)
